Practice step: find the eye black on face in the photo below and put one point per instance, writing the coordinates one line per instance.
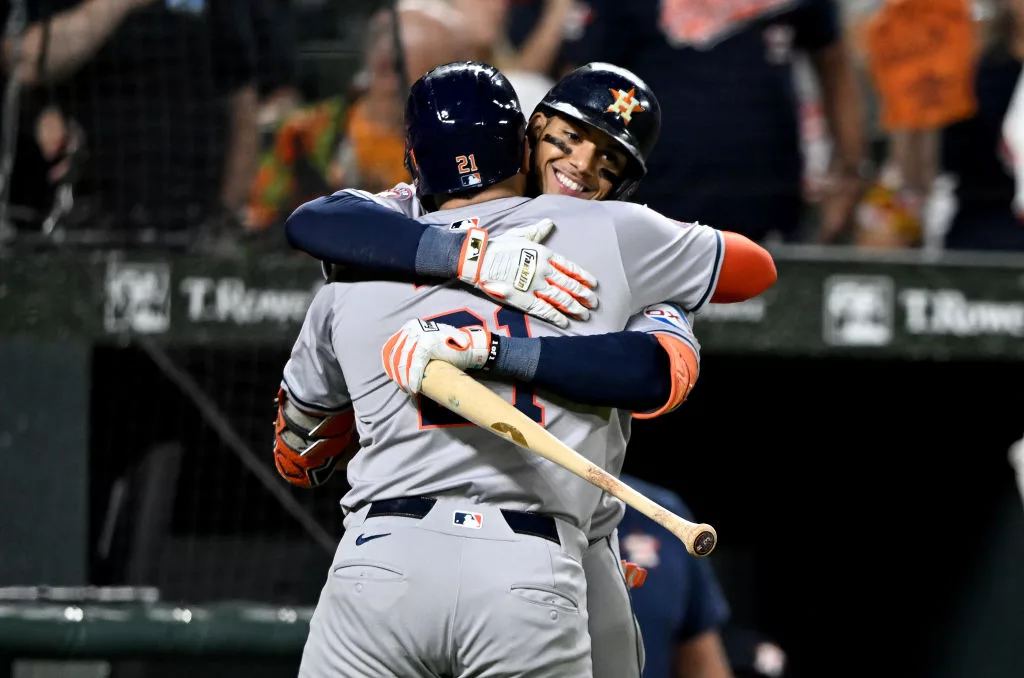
(558, 143)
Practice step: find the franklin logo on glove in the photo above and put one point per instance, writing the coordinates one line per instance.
(527, 269)
(517, 270)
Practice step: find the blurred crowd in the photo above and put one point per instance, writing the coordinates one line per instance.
(202, 124)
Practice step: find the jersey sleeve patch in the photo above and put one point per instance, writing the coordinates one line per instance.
(669, 315)
(399, 198)
(398, 192)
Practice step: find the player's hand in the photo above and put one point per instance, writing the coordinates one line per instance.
(407, 352)
(516, 270)
(635, 575)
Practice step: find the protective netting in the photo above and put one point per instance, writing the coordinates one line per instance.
(142, 121)
(127, 126)
(176, 503)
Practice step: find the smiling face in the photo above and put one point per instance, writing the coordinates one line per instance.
(573, 159)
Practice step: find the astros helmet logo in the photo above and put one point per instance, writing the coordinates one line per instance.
(624, 105)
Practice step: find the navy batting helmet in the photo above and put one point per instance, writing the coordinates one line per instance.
(463, 129)
(616, 102)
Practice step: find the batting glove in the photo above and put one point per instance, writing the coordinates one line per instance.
(635, 575)
(407, 352)
(516, 270)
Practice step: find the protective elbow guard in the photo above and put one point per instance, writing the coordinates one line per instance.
(309, 446)
(684, 366)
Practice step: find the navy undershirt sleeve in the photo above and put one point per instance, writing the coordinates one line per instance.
(352, 231)
(624, 370)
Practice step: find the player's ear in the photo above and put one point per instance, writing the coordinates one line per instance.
(538, 121)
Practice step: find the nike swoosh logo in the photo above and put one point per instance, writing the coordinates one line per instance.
(362, 539)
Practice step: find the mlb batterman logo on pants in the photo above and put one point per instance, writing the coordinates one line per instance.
(473, 521)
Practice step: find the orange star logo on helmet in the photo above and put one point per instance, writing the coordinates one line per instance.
(624, 105)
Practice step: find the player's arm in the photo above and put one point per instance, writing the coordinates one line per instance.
(313, 431)
(683, 263)
(747, 270)
(624, 370)
(672, 330)
(702, 656)
(648, 368)
(348, 229)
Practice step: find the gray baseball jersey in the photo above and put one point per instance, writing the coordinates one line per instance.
(411, 447)
(618, 650)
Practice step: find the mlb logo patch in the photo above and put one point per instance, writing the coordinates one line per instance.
(464, 224)
(473, 521)
(470, 180)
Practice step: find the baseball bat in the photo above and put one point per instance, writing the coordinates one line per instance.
(455, 390)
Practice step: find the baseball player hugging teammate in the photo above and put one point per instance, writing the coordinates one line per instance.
(477, 545)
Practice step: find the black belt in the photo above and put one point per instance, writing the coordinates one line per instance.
(521, 522)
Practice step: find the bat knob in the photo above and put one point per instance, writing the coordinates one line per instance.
(705, 541)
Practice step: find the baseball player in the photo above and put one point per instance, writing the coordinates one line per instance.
(585, 147)
(681, 607)
(665, 261)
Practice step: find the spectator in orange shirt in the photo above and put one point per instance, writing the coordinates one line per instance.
(920, 54)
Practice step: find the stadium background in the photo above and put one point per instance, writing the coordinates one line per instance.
(868, 515)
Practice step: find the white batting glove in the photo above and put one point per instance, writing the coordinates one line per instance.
(515, 270)
(405, 355)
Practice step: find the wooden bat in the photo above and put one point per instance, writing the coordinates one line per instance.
(457, 391)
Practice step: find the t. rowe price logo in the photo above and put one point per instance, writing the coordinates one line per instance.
(858, 310)
(950, 312)
(138, 297)
(230, 300)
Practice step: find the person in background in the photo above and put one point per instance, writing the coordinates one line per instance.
(166, 97)
(725, 80)
(680, 607)
(45, 137)
(372, 155)
(529, 61)
(985, 153)
(920, 90)
(355, 138)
